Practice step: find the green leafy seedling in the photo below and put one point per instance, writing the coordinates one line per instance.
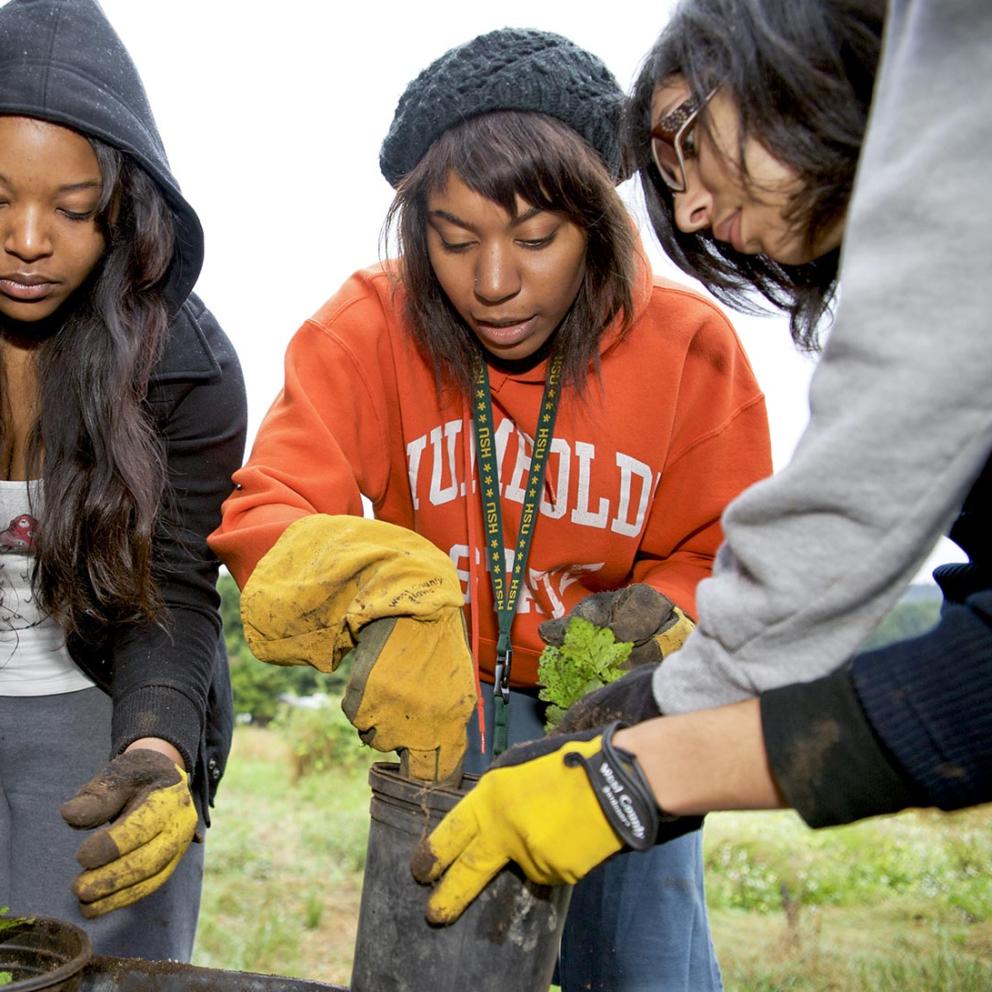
(590, 657)
(6, 923)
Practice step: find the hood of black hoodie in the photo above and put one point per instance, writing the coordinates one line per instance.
(61, 61)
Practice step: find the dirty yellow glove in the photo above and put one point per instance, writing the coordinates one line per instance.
(637, 614)
(556, 806)
(154, 819)
(411, 691)
(333, 584)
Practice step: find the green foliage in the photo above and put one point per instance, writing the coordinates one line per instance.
(6, 923)
(755, 861)
(910, 617)
(590, 657)
(283, 864)
(948, 970)
(258, 688)
(320, 738)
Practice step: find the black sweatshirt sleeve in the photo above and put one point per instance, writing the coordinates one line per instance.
(162, 672)
(909, 724)
(825, 756)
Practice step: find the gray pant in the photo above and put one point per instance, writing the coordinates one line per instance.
(49, 747)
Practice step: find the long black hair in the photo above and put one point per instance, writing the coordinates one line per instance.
(802, 76)
(93, 444)
(502, 155)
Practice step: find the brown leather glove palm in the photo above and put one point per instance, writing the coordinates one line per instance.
(637, 614)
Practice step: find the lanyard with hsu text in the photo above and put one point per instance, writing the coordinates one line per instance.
(507, 586)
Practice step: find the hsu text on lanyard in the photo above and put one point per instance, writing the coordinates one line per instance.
(506, 585)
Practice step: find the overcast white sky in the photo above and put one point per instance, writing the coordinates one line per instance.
(273, 114)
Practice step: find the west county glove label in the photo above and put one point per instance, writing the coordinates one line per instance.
(622, 792)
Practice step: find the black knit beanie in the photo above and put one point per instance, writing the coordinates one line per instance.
(509, 69)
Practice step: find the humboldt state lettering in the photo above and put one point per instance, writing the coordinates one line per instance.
(590, 485)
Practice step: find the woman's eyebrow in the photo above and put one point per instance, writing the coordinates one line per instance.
(458, 222)
(527, 215)
(451, 219)
(85, 184)
(67, 187)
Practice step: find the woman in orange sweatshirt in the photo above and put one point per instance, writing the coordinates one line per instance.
(517, 364)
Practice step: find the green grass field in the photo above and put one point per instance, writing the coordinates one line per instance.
(892, 905)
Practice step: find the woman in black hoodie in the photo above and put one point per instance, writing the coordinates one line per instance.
(122, 417)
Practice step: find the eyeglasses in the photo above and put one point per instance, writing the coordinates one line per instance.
(672, 142)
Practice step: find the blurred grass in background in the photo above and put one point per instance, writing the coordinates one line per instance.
(890, 905)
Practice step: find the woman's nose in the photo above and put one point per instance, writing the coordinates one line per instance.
(25, 234)
(497, 276)
(694, 207)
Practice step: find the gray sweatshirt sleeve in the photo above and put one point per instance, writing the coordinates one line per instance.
(901, 402)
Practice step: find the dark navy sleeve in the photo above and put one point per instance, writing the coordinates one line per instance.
(929, 700)
(909, 724)
(826, 758)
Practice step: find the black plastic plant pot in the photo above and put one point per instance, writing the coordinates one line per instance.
(43, 953)
(508, 938)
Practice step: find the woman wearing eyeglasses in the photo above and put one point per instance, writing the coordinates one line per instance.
(747, 153)
(761, 165)
(759, 175)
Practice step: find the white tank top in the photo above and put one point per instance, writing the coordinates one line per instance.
(34, 660)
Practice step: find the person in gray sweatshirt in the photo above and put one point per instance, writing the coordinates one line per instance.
(744, 127)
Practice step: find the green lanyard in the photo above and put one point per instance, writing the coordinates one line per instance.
(506, 587)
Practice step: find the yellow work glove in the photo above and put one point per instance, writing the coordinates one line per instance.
(154, 819)
(637, 614)
(410, 691)
(557, 807)
(333, 584)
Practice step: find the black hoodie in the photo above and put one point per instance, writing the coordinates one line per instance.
(61, 61)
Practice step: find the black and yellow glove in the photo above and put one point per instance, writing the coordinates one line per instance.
(637, 614)
(557, 807)
(154, 819)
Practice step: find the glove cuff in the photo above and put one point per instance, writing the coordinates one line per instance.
(622, 791)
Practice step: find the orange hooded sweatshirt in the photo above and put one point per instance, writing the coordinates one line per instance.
(640, 469)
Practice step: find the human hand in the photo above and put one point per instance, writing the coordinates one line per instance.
(637, 614)
(154, 817)
(412, 690)
(557, 807)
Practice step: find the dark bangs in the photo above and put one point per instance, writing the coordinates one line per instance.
(802, 76)
(501, 156)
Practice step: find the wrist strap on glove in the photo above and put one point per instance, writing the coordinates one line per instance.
(622, 791)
